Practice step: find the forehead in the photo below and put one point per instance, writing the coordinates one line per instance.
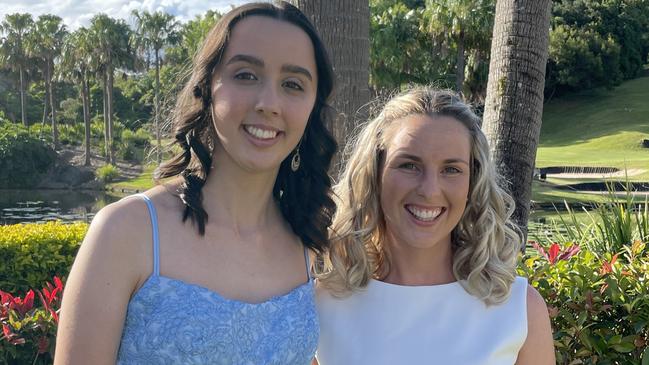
(271, 40)
(426, 136)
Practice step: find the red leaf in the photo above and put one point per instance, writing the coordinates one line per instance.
(5, 298)
(54, 315)
(28, 303)
(540, 249)
(7, 332)
(47, 295)
(553, 253)
(570, 252)
(59, 284)
(45, 302)
(53, 296)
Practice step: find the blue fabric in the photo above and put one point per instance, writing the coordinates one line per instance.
(169, 321)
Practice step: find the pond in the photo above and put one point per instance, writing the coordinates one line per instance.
(23, 206)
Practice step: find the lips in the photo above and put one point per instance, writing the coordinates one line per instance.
(425, 214)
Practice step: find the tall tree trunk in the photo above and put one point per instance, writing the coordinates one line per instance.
(514, 104)
(106, 128)
(23, 106)
(460, 64)
(85, 91)
(55, 129)
(344, 27)
(109, 108)
(46, 101)
(157, 105)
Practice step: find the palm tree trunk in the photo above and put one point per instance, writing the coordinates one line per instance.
(157, 105)
(106, 129)
(55, 129)
(47, 96)
(344, 27)
(512, 117)
(86, 118)
(110, 114)
(460, 64)
(23, 106)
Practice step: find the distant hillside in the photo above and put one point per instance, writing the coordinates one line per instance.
(598, 128)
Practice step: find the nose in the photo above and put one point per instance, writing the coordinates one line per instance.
(268, 102)
(428, 185)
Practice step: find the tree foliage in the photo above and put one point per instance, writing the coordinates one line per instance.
(597, 43)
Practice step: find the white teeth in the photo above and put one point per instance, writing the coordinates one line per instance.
(260, 133)
(424, 214)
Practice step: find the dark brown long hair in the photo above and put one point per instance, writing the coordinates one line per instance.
(303, 196)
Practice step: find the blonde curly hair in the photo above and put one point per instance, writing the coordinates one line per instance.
(485, 242)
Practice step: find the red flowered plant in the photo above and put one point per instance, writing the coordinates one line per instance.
(28, 331)
(555, 253)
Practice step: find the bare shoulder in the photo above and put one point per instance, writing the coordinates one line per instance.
(536, 306)
(538, 348)
(115, 258)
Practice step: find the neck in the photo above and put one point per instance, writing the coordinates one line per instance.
(420, 266)
(240, 200)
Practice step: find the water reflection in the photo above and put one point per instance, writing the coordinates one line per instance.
(22, 206)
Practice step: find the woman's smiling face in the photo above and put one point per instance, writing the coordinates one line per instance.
(424, 180)
(263, 93)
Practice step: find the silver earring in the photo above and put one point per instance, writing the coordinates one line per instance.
(295, 161)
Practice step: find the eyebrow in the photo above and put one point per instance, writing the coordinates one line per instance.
(259, 63)
(409, 157)
(418, 159)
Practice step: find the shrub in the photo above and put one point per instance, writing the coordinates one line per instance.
(107, 173)
(29, 331)
(598, 304)
(595, 283)
(133, 144)
(23, 157)
(33, 253)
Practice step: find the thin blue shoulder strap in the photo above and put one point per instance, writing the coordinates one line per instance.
(307, 262)
(154, 229)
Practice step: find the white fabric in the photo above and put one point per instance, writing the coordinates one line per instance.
(442, 324)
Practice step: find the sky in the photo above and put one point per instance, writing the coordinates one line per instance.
(76, 13)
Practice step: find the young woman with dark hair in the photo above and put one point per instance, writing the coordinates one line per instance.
(212, 266)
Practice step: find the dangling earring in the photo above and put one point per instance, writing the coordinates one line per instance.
(295, 161)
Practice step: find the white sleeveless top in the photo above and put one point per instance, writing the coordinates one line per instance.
(441, 324)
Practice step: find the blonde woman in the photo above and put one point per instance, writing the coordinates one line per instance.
(422, 264)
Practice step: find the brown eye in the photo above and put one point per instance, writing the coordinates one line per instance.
(247, 76)
(292, 85)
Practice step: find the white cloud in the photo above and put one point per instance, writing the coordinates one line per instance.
(76, 13)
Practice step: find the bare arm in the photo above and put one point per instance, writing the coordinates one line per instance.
(538, 348)
(105, 273)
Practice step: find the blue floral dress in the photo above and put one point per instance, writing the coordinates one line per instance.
(169, 321)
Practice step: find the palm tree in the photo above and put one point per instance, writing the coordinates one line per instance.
(465, 24)
(44, 44)
(345, 29)
(112, 49)
(153, 32)
(512, 118)
(75, 66)
(16, 28)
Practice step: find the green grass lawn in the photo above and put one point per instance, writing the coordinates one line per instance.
(140, 183)
(598, 128)
(594, 128)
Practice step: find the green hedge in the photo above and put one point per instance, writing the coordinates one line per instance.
(23, 157)
(32, 254)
